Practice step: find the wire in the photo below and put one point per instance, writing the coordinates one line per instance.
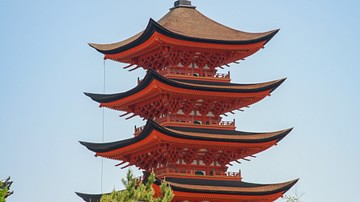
(103, 129)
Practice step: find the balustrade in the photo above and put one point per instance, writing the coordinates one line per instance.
(194, 73)
(195, 120)
(190, 172)
(137, 130)
(175, 119)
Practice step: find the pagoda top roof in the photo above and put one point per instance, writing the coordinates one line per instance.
(189, 84)
(207, 186)
(187, 23)
(196, 134)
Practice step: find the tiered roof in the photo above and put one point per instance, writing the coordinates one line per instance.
(181, 52)
(156, 143)
(180, 28)
(89, 197)
(227, 191)
(155, 89)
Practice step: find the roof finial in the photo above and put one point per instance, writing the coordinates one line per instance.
(183, 3)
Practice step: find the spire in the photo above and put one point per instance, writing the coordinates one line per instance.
(183, 3)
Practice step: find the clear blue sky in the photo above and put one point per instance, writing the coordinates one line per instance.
(45, 65)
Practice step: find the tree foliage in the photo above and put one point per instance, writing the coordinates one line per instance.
(136, 190)
(292, 199)
(5, 189)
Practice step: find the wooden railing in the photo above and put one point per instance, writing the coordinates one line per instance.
(190, 72)
(173, 119)
(196, 121)
(187, 172)
(137, 130)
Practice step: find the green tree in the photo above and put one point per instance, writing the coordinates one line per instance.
(136, 191)
(292, 198)
(4, 189)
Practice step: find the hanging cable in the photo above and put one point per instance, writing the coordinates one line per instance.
(103, 130)
(103, 113)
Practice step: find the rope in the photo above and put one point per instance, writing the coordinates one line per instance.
(103, 130)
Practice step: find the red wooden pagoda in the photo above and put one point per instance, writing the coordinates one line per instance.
(183, 99)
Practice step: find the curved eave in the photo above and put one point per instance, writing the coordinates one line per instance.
(238, 136)
(89, 197)
(242, 137)
(154, 27)
(210, 87)
(216, 187)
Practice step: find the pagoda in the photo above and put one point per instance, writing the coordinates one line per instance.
(183, 98)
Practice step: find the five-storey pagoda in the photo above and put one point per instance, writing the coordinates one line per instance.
(183, 98)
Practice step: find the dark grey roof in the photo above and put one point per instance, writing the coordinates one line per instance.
(201, 86)
(187, 24)
(196, 185)
(89, 197)
(232, 136)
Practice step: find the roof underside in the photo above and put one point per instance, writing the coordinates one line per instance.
(214, 187)
(89, 197)
(210, 87)
(187, 24)
(194, 185)
(216, 136)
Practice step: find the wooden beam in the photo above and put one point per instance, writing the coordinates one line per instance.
(128, 66)
(131, 116)
(134, 68)
(119, 164)
(125, 166)
(125, 114)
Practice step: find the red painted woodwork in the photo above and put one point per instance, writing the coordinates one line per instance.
(159, 148)
(161, 51)
(159, 99)
(173, 105)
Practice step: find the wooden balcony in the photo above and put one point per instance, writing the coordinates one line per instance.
(188, 173)
(196, 122)
(195, 74)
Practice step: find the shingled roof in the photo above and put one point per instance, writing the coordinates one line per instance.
(187, 23)
(188, 133)
(187, 84)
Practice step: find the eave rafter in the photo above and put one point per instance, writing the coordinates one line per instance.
(172, 55)
(152, 107)
(149, 157)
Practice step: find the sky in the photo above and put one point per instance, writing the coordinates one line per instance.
(46, 65)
